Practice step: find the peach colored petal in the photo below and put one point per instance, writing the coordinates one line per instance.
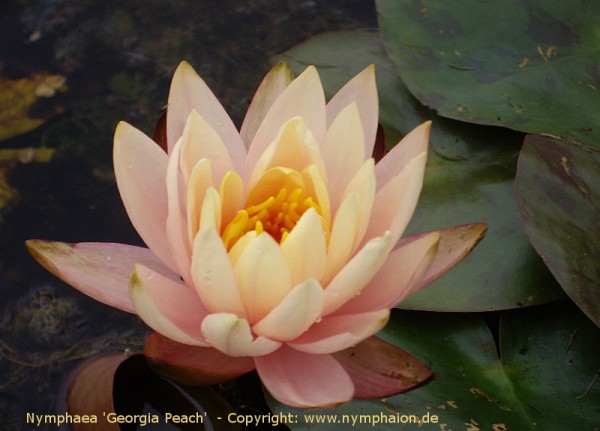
(343, 150)
(363, 183)
(303, 98)
(315, 184)
(293, 148)
(213, 275)
(272, 85)
(201, 179)
(231, 192)
(396, 201)
(188, 91)
(232, 335)
(144, 196)
(361, 90)
(210, 214)
(169, 307)
(100, 270)
(335, 333)
(357, 273)
(176, 224)
(240, 245)
(405, 264)
(263, 277)
(303, 380)
(294, 315)
(201, 141)
(343, 235)
(305, 248)
(407, 149)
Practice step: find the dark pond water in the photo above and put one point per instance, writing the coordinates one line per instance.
(92, 64)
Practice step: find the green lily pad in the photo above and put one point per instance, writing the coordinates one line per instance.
(469, 179)
(544, 377)
(558, 193)
(531, 66)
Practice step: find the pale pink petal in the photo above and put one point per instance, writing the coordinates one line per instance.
(357, 273)
(188, 91)
(335, 333)
(303, 380)
(200, 181)
(263, 277)
(295, 314)
(315, 184)
(176, 224)
(100, 270)
(396, 201)
(413, 144)
(231, 192)
(169, 307)
(303, 98)
(361, 90)
(192, 365)
(210, 213)
(408, 262)
(305, 248)
(272, 85)
(232, 335)
(199, 141)
(380, 369)
(455, 244)
(145, 196)
(343, 151)
(213, 274)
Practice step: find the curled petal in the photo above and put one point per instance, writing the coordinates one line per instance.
(100, 270)
(170, 308)
(335, 333)
(295, 314)
(304, 380)
(232, 336)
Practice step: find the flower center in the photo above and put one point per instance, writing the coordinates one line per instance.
(277, 215)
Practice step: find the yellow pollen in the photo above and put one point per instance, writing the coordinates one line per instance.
(276, 215)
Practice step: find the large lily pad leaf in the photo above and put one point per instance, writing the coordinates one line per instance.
(469, 179)
(558, 192)
(529, 65)
(542, 376)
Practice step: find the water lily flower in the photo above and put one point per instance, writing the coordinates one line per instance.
(277, 247)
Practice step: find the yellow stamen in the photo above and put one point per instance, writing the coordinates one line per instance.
(276, 215)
